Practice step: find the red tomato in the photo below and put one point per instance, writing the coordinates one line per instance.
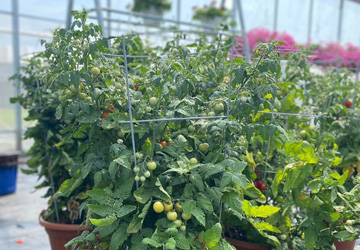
(105, 115)
(348, 104)
(111, 107)
(262, 186)
(97, 236)
(164, 144)
(135, 86)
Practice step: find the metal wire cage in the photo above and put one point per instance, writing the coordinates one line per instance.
(181, 37)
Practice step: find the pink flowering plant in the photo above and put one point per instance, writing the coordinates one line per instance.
(262, 35)
(331, 52)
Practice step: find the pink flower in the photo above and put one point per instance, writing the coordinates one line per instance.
(195, 8)
(213, 3)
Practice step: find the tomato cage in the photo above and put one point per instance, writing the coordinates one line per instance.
(180, 38)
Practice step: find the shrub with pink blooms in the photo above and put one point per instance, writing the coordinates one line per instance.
(262, 35)
(330, 53)
(327, 53)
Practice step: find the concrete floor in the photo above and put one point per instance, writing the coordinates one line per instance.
(19, 214)
(19, 217)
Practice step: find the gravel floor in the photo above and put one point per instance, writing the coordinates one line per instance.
(19, 218)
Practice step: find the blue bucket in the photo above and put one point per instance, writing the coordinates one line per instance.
(8, 173)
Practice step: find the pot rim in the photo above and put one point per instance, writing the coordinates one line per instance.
(61, 226)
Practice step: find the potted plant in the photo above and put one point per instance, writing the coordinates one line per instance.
(53, 156)
(156, 8)
(177, 186)
(210, 15)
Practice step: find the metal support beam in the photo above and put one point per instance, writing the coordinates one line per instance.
(222, 5)
(276, 9)
(178, 13)
(69, 14)
(16, 59)
(109, 18)
(311, 10)
(339, 31)
(100, 17)
(243, 30)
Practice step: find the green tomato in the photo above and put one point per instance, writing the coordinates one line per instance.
(147, 174)
(139, 155)
(186, 216)
(86, 47)
(148, 109)
(312, 128)
(303, 134)
(193, 161)
(191, 128)
(63, 98)
(95, 71)
(277, 104)
(350, 222)
(137, 178)
(142, 178)
(283, 237)
(153, 101)
(178, 223)
(136, 169)
(68, 93)
(151, 165)
(183, 228)
(82, 96)
(77, 42)
(117, 85)
(279, 199)
(219, 107)
(89, 99)
(74, 90)
(123, 89)
(204, 146)
(211, 113)
(121, 133)
(172, 215)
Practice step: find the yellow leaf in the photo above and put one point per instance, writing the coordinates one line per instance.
(250, 159)
(336, 161)
(268, 96)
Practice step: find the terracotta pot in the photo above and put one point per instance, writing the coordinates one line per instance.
(246, 245)
(60, 234)
(344, 245)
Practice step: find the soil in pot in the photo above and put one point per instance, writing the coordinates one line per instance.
(60, 234)
(246, 245)
(239, 237)
(344, 245)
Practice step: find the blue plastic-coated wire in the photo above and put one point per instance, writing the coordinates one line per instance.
(271, 121)
(356, 82)
(175, 119)
(228, 105)
(335, 80)
(129, 102)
